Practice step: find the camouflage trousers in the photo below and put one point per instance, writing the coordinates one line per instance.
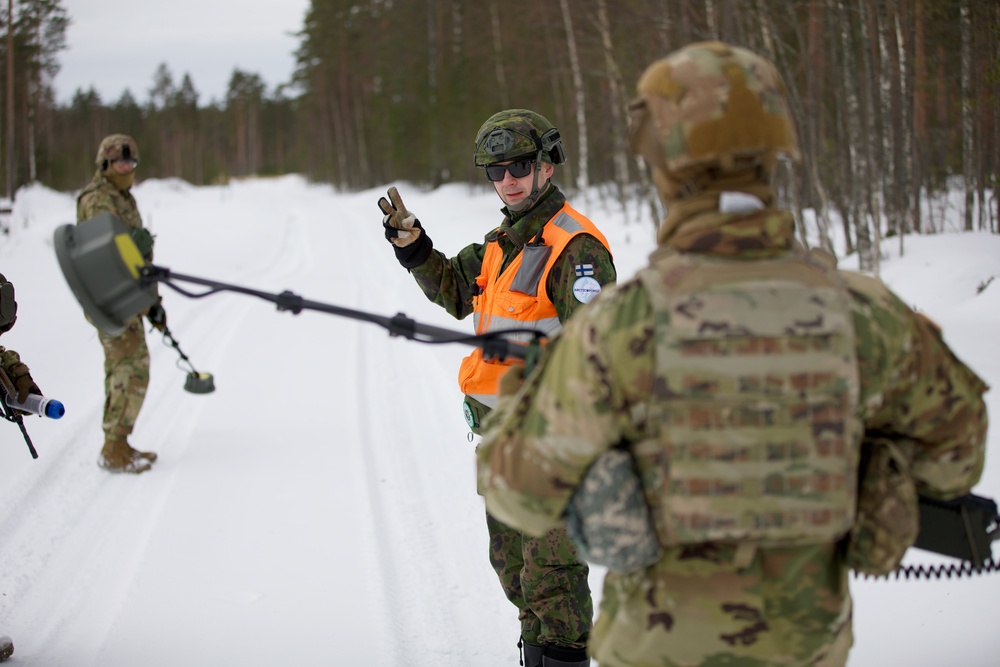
(544, 578)
(126, 376)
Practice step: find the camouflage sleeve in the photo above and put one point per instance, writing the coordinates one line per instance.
(576, 405)
(8, 358)
(92, 203)
(583, 249)
(451, 283)
(915, 390)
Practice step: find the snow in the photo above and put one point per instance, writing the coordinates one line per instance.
(319, 508)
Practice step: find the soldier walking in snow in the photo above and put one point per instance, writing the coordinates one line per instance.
(737, 375)
(126, 357)
(535, 270)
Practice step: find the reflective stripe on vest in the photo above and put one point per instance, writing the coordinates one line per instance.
(752, 431)
(516, 298)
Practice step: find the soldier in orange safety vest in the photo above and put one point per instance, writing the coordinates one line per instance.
(543, 262)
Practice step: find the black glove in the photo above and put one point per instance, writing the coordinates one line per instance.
(402, 229)
(157, 317)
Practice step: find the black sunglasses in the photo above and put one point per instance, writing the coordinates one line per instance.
(519, 169)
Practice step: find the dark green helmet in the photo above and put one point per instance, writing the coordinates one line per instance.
(518, 133)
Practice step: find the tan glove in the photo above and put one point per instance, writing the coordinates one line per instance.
(401, 227)
(20, 377)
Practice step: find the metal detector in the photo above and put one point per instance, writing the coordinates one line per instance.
(196, 382)
(109, 277)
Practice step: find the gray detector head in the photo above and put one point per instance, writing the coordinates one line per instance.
(102, 266)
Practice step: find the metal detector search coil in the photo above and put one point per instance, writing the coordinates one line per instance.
(199, 383)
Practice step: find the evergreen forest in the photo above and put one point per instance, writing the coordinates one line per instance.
(896, 101)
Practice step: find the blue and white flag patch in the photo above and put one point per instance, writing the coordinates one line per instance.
(584, 270)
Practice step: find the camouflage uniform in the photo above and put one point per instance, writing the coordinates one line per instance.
(766, 599)
(10, 361)
(126, 357)
(541, 575)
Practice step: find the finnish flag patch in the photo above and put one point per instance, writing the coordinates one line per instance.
(584, 270)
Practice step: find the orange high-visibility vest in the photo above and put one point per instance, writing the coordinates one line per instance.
(517, 299)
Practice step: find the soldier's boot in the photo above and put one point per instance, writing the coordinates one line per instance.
(149, 456)
(6, 648)
(532, 653)
(560, 656)
(118, 456)
(550, 655)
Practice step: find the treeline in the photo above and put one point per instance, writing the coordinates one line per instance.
(896, 100)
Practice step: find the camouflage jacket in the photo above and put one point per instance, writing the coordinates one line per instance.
(721, 603)
(101, 196)
(451, 283)
(8, 358)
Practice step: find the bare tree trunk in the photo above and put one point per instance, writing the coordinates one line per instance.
(498, 55)
(869, 139)
(33, 88)
(854, 167)
(995, 224)
(617, 103)
(432, 85)
(583, 177)
(710, 23)
(363, 163)
(968, 120)
(919, 135)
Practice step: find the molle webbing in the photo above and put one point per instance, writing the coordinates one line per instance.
(753, 430)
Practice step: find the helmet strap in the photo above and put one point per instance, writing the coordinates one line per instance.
(535, 193)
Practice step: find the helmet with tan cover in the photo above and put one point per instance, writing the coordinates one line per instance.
(116, 147)
(710, 109)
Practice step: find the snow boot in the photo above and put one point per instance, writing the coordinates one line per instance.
(149, 456)
(532, 653)
(561, 656)
(6, 648)
(550, 655)
(118, 456)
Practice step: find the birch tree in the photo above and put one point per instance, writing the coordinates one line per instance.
(582, 176)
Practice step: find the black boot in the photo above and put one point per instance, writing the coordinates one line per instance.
(532, 653)
(560, 656)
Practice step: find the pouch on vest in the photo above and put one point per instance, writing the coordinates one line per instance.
(143, 241)
(888, 517)
(608, 519)
(474, 412)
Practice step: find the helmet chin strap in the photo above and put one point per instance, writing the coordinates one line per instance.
(535, 193)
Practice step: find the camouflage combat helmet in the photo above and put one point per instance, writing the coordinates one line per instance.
(516, 133)
(711, 108)
(114, 147)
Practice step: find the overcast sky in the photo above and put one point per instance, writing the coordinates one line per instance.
(112, 46)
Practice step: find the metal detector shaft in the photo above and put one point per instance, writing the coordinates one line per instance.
(493, 345)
